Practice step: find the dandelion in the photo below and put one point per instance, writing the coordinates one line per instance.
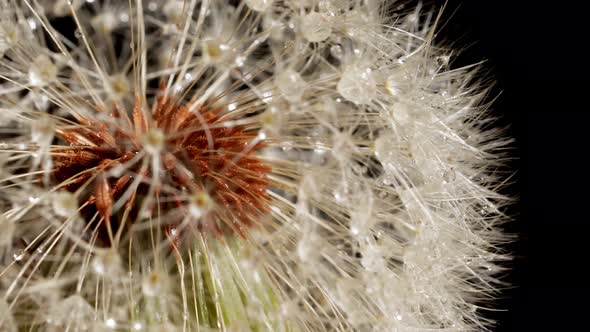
(255, 165)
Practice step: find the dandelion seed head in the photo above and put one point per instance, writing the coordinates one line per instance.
(242, 165)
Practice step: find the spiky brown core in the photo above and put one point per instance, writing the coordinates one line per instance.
(199, 155)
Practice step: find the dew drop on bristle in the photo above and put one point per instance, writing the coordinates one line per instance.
(199, 205)
(18, 255)
(105, 22)
(152, 284)
(42, 131)
(154, 141)
(9, 36)
(291, 85)
(259, 5)
(107, 264)
(357, 85)
(64, 204)
(316, 27)
(42, 71)
(337, 52)
(173, 9)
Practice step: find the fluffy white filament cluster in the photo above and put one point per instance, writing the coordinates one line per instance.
(383, 205)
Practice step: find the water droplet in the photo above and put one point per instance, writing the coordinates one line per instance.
(62, 7)
(240, 60)
(356, 24)
(137, 326)
(40, 100)
(124, 17)
(442, 61)
(42, 130)
(111, 323)
(402, 114)
(357, 85)
(152, 284)
(42, 71)
(341, 193)
(397, 84)
(332, 7)
(107, 264)
(64, 204)
(389, 151)
(291, 85)
(32, 23)
(289, 309)
(118, 87)
(9, 36)
(200, 203)
(310, 247)
(347, 295)
(213, 51)
(259, 5)
(154, 141)
(316, 27)
(267, 97)
(18, 255)
(449, 175)
(372, 259)
(337, 52)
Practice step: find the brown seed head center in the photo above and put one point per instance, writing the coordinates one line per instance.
(199, 157)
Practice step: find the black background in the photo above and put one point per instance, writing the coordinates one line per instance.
(535, 54)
